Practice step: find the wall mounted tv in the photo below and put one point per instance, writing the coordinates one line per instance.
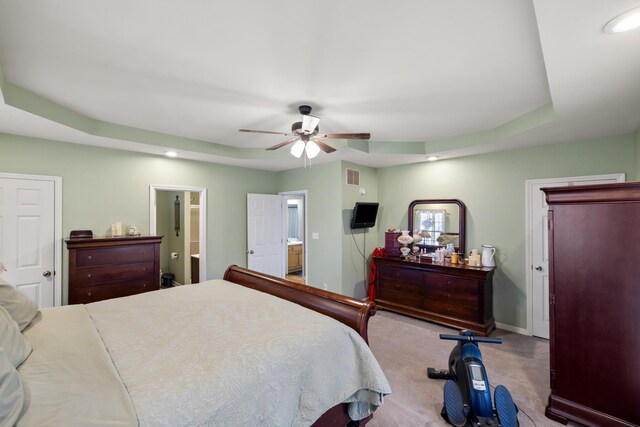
(364, 215)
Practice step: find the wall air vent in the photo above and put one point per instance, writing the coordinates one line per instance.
(353, 177)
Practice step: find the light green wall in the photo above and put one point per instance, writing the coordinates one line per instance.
(361, 241)
(492, 186)
(102, 186)
(322, 183)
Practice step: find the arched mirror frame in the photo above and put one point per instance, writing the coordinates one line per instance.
(461, 217)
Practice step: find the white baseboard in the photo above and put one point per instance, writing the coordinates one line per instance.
(510, 328)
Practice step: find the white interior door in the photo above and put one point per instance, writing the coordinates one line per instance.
(27, 237)
(264, 234)
(539, 248)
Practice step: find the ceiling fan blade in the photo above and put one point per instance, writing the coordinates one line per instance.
(345, 135)
(309, 123)
(264, 131)
(324, 147)
(282, 144)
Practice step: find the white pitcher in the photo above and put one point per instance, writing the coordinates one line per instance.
(488, 252)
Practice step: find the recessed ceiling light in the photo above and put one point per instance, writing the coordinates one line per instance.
(432, 158)
(625, 22)
(171, 154)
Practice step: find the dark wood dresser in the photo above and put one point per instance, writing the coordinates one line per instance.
(451, 295)
(104, 268)
(594, 290)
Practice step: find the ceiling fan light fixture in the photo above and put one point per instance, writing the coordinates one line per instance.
(624, 22)
(297, 149)
(312, 149)
(309, 123)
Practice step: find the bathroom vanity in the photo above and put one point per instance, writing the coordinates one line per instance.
(294, 257)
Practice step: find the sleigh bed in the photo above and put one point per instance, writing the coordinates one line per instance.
(269, 352)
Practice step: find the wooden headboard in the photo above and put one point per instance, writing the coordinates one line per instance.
(352, 312)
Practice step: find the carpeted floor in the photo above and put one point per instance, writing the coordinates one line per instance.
(406, 347)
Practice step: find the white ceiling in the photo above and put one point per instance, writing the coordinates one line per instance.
(455, 77)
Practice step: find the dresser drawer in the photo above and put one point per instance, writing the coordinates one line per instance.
(399, 274)
(87, 294)
(110, 273)
(451, 289)
(400, 292)
(451, 309)
(114, 255)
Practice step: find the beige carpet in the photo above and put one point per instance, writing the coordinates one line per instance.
(406, 347)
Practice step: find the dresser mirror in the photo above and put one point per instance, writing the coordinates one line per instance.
(439, 222)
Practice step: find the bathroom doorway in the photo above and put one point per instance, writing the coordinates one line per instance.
(179, 214)
(295, 233)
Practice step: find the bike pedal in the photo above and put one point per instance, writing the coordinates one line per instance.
(436, 374)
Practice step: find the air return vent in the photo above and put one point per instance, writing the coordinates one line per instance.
(353, 177)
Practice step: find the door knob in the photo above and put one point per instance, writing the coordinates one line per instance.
(47, 273)
(250, 252)
(539, 268)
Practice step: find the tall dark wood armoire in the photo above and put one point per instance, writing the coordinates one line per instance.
(594, 287)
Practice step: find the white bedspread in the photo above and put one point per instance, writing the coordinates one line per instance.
(220, 354)
(69, 379)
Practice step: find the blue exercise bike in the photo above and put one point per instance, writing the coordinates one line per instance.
(467, 397)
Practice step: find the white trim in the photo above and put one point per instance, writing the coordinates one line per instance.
(153, 188)
(619, 177)
(305, 245)
(511, 328)
(57, 228)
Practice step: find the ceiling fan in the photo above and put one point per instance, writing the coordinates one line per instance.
(307, 136)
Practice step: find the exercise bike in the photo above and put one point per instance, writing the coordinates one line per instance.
(467, 397)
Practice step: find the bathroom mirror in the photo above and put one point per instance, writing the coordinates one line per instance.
(439, 222)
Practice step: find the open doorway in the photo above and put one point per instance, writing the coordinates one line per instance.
(179, 214)
(295, 233)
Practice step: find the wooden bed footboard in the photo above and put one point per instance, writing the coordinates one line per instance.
(352, 312)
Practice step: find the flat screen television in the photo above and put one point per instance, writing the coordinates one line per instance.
(364, 215)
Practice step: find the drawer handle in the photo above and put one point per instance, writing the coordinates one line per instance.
(90, 257)
(144, 285)
(88, 294)
(88, 274)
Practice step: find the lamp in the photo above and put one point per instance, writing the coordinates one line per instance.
(312, 149)
(424, 234)
(297, 148)
(305, 145)
(405, 240)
